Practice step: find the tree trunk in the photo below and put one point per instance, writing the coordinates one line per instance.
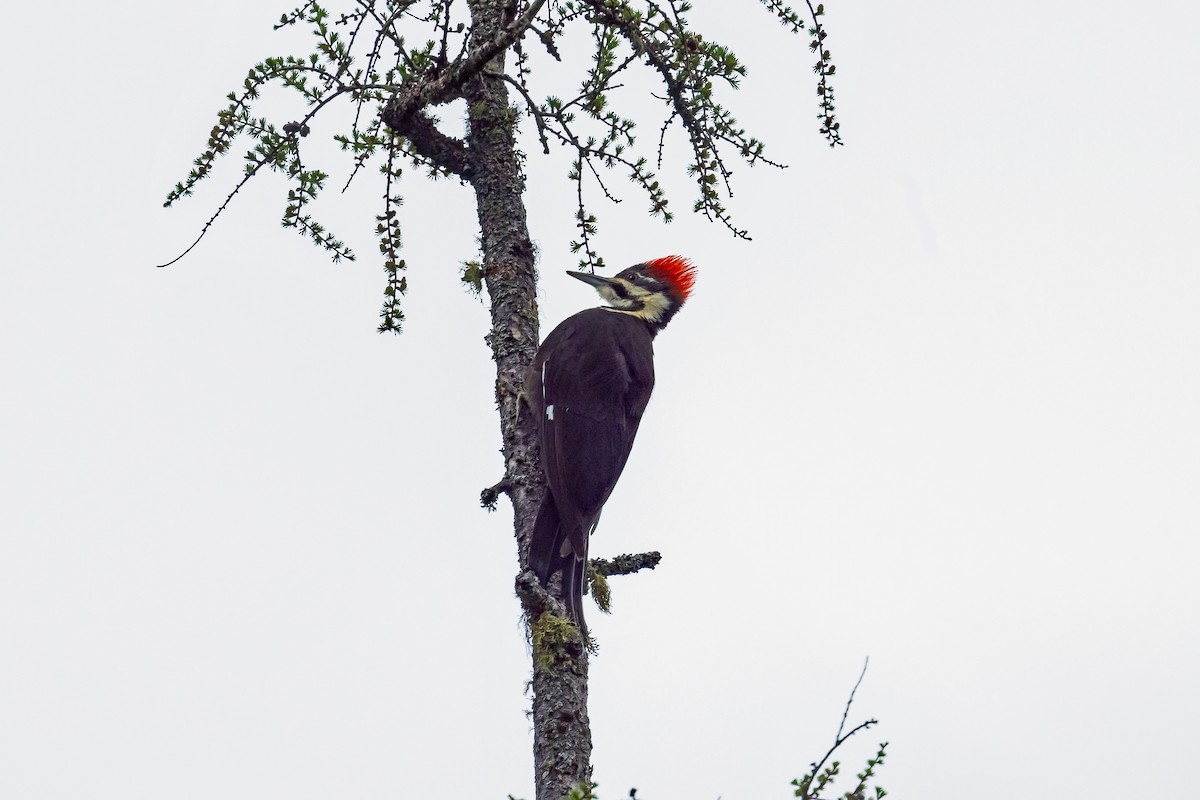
(562, 739)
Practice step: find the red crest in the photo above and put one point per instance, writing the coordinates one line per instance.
(676, 271)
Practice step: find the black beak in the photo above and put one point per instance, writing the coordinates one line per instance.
(589, 278)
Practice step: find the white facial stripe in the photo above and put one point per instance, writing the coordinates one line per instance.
(550, 412)
(639, 302)
(654, 306)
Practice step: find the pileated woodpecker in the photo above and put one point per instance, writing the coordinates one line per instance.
(588, 386)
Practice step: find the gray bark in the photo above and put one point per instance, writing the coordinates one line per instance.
(490, 161)
(562, 739)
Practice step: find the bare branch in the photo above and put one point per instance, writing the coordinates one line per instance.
(443, 151)
(491, 495)
(626, 564)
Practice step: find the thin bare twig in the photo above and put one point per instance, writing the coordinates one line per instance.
(857, 683)
(840, 739)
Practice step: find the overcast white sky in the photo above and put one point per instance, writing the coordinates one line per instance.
(944, 410)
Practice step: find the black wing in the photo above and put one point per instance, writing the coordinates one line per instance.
(596, 380)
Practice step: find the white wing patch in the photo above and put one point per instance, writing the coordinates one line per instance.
(549, 408)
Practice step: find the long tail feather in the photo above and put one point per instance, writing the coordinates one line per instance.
(546, 558)
(546, 540)
(574, 582)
